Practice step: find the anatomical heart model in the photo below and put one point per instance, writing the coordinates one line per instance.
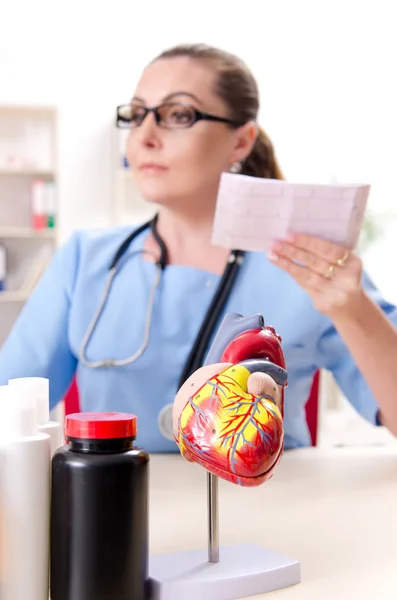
(228, 416)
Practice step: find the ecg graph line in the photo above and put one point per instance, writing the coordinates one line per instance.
(249, 214)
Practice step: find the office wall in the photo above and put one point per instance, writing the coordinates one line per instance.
(325, 72)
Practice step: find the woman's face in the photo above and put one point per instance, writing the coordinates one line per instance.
(173, 166)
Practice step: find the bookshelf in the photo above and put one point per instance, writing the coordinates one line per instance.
(28, 204)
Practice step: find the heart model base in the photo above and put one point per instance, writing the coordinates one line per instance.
(235, 434)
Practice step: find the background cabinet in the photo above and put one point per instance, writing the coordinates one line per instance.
(28, 204)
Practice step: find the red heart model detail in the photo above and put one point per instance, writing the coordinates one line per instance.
(262, 343)
(219, 423)
(255, 343)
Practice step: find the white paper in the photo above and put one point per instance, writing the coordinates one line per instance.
(251, 212)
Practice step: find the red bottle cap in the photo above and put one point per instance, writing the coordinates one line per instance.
(100, 426)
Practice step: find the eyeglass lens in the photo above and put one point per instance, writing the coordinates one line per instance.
(173, 115)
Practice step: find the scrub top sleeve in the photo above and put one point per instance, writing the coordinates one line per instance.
(38, 343)
(333, 355)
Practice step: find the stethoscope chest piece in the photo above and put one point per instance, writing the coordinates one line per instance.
(165, 422)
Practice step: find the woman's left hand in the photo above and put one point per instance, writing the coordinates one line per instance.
(330, 274)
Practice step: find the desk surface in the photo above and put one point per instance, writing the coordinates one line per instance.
(334, 510)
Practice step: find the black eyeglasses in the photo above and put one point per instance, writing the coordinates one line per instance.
(174, 115)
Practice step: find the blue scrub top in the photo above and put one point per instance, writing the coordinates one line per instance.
(47, 336)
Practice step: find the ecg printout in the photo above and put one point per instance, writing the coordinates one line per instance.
(251, 212)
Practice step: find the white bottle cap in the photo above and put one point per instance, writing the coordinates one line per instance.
(19, 413)
(38, 389)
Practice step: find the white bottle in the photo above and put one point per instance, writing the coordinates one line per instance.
(38, 389)
(26, 499)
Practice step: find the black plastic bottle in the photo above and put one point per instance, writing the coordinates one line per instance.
(99, 511)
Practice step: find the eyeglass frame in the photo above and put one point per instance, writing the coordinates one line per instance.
(198, 116)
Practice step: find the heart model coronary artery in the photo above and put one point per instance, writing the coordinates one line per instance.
(233, 433)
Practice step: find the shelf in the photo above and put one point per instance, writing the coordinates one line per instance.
(13, 297)
(37, 173)
(21, 109)
(27, 233)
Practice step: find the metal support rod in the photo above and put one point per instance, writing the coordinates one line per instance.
(213, 518)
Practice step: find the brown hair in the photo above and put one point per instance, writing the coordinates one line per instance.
(237, 87)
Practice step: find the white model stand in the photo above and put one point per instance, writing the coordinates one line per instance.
(237, 571)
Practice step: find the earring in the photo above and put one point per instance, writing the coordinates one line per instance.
(235, 167)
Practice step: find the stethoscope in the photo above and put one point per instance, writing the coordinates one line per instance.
(197, 353)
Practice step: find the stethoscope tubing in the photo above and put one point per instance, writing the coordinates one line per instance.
(197, 353)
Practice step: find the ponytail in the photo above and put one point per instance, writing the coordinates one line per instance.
(262, 161)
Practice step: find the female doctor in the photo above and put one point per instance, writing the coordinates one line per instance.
(132, 312)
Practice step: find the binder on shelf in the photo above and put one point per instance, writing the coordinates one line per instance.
(43, 204)
(51, 205)
(38, 204)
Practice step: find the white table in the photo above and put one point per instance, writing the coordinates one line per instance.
(334, 510)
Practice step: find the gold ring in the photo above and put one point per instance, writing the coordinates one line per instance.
(329, 272)
(342, 261)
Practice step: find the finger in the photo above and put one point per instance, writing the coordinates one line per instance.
(306, 278)
(308, 259)
(322, 248)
